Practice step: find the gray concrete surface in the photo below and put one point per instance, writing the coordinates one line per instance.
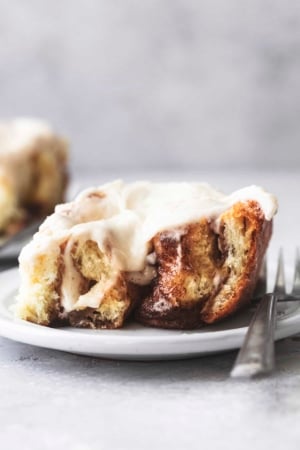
(171, 84)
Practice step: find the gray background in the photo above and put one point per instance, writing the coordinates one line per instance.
(172, 84)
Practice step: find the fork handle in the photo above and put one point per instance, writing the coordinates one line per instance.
(256, 356)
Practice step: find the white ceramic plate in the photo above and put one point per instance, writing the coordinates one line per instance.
(134, 342)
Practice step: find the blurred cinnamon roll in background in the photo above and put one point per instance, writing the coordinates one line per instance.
(33, 172)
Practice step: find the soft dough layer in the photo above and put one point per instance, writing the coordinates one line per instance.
(176, 255)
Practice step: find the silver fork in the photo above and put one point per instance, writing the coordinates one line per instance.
(256, 356)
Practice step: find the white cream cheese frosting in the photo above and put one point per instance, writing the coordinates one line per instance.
(19, 133)
(124, 218)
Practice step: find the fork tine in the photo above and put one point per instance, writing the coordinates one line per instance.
(296, 283)
(256, 355)
(261, 286)
(279, 287)
(263, 275)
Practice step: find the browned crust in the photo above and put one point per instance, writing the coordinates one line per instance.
(180, 256)
(176, 311)
(260, 231)
(173, 317)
